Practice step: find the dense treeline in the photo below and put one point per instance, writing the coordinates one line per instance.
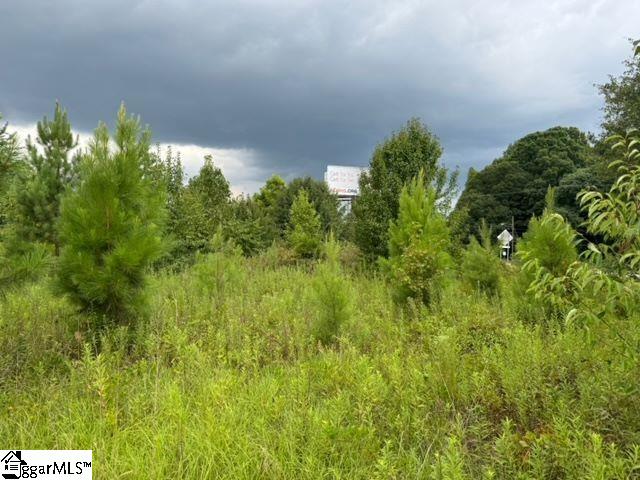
(273, 335)
(515, 184)
(296, 215)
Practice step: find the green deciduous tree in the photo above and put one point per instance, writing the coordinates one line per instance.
(594, 175)
(250, 225)
(51, 170)
(268, 204)
(418, 244)
(269, 195)
(195, 211)
(622, 99)
(604, 282)
(182, 207)
(304, 234)
(111, 224)
(173, 180)
(615, 215)
(394, 163)
(212, 190)
(515, 184)
(324, 202)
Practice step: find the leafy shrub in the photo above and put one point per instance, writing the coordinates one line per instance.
(481, 265)
(333, 294)
(614, 215)
(351, 257)
(418, 243)
(111, 224)
(277, 255)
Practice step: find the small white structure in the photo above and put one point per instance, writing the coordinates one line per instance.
(505, 241)
(344, 182)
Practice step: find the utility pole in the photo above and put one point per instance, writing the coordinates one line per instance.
(513, 232)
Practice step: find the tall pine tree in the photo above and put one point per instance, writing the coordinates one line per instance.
(9, 164)
(111, 224)
(51, 170)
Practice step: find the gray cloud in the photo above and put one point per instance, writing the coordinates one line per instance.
(307, 83)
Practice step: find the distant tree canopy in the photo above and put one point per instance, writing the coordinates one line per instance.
(212, 189)
(622, 99)
(393, 164)
(196, 210)
(269, 195)
(324, 202)
(250, 226)
(516, 183)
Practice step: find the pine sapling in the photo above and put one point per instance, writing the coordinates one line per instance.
(332, 294)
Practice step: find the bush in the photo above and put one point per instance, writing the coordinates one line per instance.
(332, 293)
(418, 243)
(111, 225)
(277, 255)
(351, 257)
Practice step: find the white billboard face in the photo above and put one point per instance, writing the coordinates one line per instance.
(343, 180)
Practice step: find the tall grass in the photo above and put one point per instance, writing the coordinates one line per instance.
(229, 382)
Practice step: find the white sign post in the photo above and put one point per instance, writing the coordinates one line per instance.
(505, 239)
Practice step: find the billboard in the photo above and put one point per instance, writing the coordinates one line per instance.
(343, 181)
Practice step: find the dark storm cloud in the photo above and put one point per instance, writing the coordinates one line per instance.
(308, 83)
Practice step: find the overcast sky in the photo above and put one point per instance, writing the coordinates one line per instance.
(289, 86)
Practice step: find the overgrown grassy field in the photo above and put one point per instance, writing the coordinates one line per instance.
(225, 380)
